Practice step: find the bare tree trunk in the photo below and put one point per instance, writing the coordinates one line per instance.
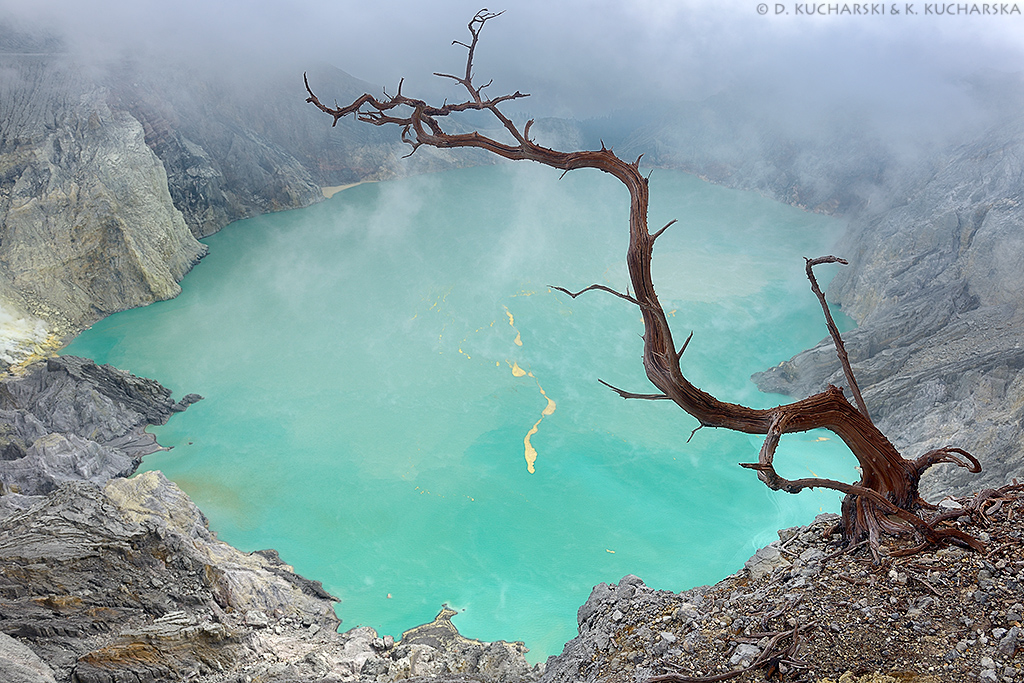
(885, 498)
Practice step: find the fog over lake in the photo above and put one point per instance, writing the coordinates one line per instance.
(383, 371)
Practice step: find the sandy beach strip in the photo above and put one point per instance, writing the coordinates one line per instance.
(331, 190)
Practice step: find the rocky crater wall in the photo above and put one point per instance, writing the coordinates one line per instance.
(107, 181)
(88, 224)
(935, 284)
(109, 176)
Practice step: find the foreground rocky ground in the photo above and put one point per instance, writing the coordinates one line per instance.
(107, 579)
(801, 610)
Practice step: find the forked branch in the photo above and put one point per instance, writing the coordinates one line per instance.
(833, 330)
(602, 288)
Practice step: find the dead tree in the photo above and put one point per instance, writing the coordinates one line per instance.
(885, 500)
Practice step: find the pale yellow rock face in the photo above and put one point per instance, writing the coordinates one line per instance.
(23, 337)
(88, 226)
(148, 496)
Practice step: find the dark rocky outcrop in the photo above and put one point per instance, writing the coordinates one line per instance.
(69, 419)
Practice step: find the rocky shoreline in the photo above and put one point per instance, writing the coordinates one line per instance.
(802, 610)
(109, 579)
(105, 579)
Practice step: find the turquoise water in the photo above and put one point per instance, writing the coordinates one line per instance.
(374, 365)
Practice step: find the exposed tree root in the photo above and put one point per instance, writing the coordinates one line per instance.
(771, 659)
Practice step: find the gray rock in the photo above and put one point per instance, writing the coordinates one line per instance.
(599, 597)
(18, 664)
(68, 419)
(744, 655)
(256, 618)
(811, 555)
(1010, 643)
(439, 651)
(56, 458)
(765, 561)
(78, 571)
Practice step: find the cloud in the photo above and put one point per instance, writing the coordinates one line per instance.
(577, 57)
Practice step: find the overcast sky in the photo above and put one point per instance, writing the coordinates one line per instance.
(575, 57)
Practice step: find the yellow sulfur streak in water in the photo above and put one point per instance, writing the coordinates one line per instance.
(518, 341)
(531, 452)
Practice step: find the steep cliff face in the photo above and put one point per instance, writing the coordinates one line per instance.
(935, 285)
(219, 167)
(236, 146)
(88, 224)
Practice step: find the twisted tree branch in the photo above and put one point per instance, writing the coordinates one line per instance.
(889, 483)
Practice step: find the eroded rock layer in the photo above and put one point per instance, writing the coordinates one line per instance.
(69, 419)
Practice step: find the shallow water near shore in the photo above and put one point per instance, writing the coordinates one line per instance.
(399, 404)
